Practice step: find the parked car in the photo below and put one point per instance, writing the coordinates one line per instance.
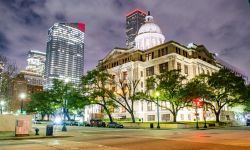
(85, 124)
(97, 123)
(36, 121)
(115, 125)
(248, 122)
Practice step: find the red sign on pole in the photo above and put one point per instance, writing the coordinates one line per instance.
(198, 102)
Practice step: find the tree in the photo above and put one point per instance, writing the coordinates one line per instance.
(247, 97)
(47, 102)
(95, 86)
(220, 89)
(42, 103)
(7, 72)
(170, 84)
(127, 94)
(225, 89)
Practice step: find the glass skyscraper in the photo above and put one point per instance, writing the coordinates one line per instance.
(134, 20)
(65, 53)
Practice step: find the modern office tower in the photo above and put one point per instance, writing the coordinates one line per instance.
(65, 53)
(134, 20)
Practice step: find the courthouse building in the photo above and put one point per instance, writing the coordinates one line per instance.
(151, 56)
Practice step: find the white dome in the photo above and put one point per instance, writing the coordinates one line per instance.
(149, 28)
(149, 35)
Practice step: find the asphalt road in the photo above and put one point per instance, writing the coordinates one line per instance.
(88, 138)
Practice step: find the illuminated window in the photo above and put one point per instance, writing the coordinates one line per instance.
(150, 71)
(182, 116)
(178, 66)
(163, 105)
(165, 117)
(163, 67)
(125, 75)
(151, 117)
(186, 69)
(150, 106)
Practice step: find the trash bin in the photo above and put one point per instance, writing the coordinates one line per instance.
(37, 131)
(151, 125)
(49, 130)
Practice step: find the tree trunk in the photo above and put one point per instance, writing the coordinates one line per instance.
(48, 116)
(108, 113)
(217, 115)
(42, 116)
(174, 117)
(67, 114)
(132, 116)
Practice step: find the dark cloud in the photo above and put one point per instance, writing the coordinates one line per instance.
(60, 17)
(3, 43)
(222, 26)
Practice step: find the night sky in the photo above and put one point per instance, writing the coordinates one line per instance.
(221, 25)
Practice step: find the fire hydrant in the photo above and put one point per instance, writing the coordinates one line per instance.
(37, 131)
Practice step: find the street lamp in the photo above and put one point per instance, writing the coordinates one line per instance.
(64, 128)
(22, 97)
(205, 117)
(158, 114)
(1, 106)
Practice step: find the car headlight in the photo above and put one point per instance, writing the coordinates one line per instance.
(58, 120)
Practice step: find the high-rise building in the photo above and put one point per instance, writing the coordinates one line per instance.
(65, 52)
(36, 62)
(30, 80)
(34, 72)
(134, 20)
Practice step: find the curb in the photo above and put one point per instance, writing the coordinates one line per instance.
(33, 137)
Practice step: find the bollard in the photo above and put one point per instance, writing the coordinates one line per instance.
(37, 131)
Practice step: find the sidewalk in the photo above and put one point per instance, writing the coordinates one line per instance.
(42, 135)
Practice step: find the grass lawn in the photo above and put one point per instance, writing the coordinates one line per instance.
(6, 133)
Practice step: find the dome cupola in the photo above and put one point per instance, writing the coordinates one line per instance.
(149, 34)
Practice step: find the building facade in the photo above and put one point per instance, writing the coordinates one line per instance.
(36, 62)
(153, 58)
(134, 20)
(28, 81)
(34, 71)
(65, 52)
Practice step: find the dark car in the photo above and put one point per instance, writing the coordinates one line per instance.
(115, 125)
(248, 122)
(97, 123)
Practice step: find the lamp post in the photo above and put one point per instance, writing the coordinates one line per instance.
(196, 114)
(205, 116)
(1, 105)
(22, 97)
(158, 114)
(64, 128)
